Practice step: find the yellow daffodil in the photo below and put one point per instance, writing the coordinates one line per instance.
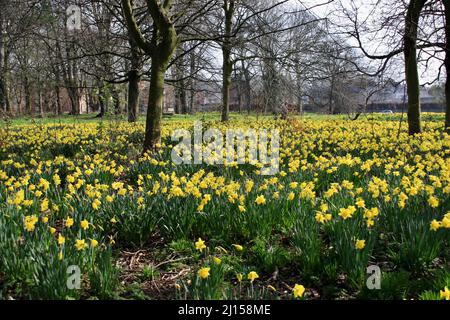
(200, 245)
(298, 291)
(204, 273)
(238, 247)
(435, 225)
(61, 240)
(80, 244)
(260, 200)
(445, 294)
(69, 222)
(360, 244)
(252, 276)
(84, 224)
(94, 243)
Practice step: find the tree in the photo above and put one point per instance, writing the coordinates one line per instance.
(229, 7)
(134, 80)
(160, 48)
(419, 42)
(411, 73)
(447, 64)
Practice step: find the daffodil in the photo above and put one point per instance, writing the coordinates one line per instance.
(200, 245)
(30, 223)
(80, 244)
(69, 222)
(445, 294)
(360, 244)
(61, 240)
(84, 224)
(238, 247)
(94, 243)
(435, 225)
(204, 273)
(252, 276)
(298, 291)
(260, 200)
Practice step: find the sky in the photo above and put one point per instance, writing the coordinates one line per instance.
(322, 9)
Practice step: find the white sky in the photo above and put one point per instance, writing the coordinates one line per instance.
(365, 7)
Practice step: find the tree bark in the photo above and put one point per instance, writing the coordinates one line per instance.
(247, 88)
(447, 64)
(74, 100)
(58, 101)
(4, 97)
(102, 101)
(411, 72)
(192, 84)
(134, 80)
(2, 80)
(115, 94)
(40, 102)
(180, 87)
(299, 88)
(28, 96)
(155, 105)
(330, 102)
(227, 68)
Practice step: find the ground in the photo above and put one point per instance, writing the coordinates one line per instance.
(348, 195)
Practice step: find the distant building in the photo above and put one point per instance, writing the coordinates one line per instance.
(395, 98)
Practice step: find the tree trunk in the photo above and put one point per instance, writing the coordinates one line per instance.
(227, 63)
(161, 49)
(447, 64)
(183, 98)
(160, 61)
(411, 72)
(4, 95)
(155, 104)
(116, 99)
(102, 101)
(180, 87)
(58, 101)
(247, 88)
(74, 100)
(177, 100)
(28, 97)
(192, 84)
(40, 102)
(227, 71)
(299, 89)
(330, 102)
(239, 93)
(2, 81)
(134, 80)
